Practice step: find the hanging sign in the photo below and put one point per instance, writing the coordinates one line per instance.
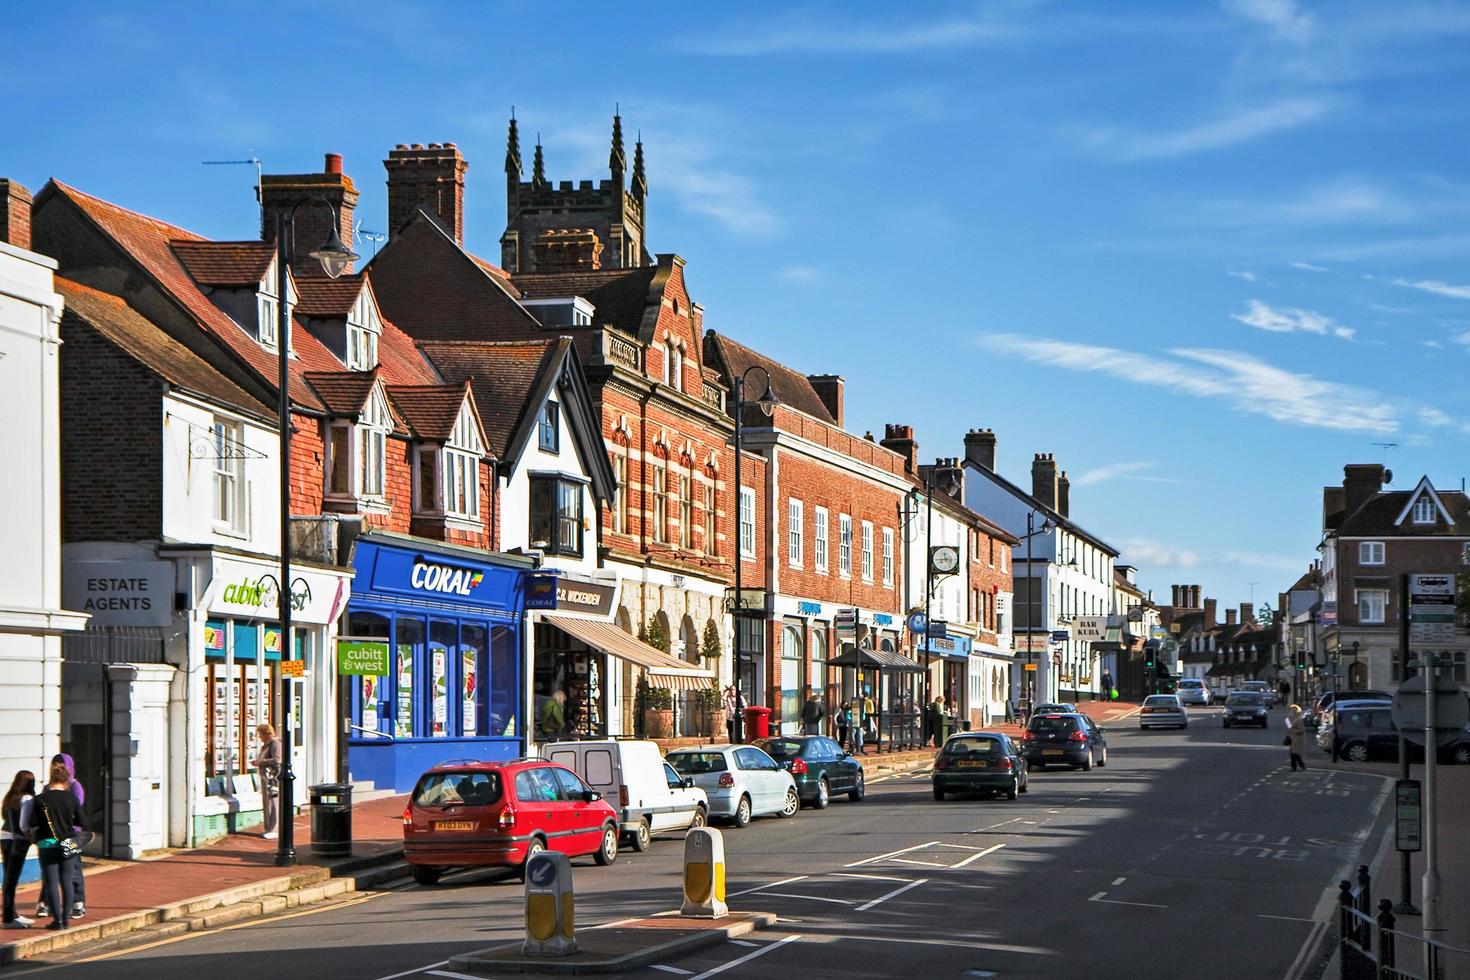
(362, 657)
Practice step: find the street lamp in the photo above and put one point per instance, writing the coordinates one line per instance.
(1031, 532)
(949, 483)
(334, 258)
(767, 403)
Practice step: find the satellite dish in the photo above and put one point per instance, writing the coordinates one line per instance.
(1388, 476)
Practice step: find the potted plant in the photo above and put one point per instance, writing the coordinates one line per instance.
(713, 704)
(658, 710)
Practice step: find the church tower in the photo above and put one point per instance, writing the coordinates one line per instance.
(612, 209)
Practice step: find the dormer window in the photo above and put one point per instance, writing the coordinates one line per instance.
(357, 452)
(1424, 511)
(269, 319)
(673, 366)
(362, 348)
(448, 478)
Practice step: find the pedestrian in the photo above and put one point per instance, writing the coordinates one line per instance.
(734, 710)
(812, 714)
(553, 720)
(934, 722)
(268, 767)
(1011, 710)
(54, 814)
(844, 723)
(15, 842)
(856, 723)
(1284, 690)
(79, 882)
(1296, 737)
(870, 719)
(1107, 685)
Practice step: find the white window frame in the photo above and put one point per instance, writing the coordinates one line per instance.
(795, 519)
(711, 519)
(269, 312)
(819, 540)
(867, 556)
(620, 491)
(362, 347)
(1377, 600)
(460, 468)
(888, 557)
(1423, 512)
(1371, 552)
(844, 545)
(229, 478)
(686, 511)
(660, 503)
(747, 522)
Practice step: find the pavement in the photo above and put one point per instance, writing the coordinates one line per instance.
(1201, 833)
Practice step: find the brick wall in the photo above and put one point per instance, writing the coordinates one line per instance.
(111, 441)
(307, 460)
(986, 576)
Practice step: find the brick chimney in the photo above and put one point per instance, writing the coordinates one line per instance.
(1209, 613)
(428, 178)
(829, 389)
(1176, 602)
(900, 439)
(1247, 612)
(1064, 494)
(1360, 483)
(1044, 479)
(1230, 617)
(980, 448)
(1194, 599)
(568, 250)
(15, 214)
(282, 192)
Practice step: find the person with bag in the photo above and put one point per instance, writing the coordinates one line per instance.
(79, 881)
(1296, 737)
(268, 768)
(15, 810)
(55, 815)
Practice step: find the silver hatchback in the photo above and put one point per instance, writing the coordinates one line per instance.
(1162, 711)
(741, 781)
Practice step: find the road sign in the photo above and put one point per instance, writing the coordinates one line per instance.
(845, 623)
(1060, 636)
(1029, 667)
(1408, 808)
(1432, 608)
(917, 621)
(1090, 628)
(293, 668)
(1451, 709)
(938, 629)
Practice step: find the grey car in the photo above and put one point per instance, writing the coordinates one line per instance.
(1161, 710)
(1245, 708)
(1192, 690)
(741, 781)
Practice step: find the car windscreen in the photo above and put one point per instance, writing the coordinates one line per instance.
(1243, 701)
(973, 746)
(694, 763)
(780, 748)
(1159, 701)
(445, 788)
(1191, 683)
(1054, 723)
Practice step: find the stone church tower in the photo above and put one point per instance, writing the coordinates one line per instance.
(612, 209)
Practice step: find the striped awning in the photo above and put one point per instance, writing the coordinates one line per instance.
(663, 670)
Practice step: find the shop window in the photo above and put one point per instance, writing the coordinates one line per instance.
(408, 642)
(443, 641)
(819, 662)
(472, 652)
(504, 682)
(370, 706)
(791, 678)
(556, 516)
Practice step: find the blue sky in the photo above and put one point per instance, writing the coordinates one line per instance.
(1204, 253)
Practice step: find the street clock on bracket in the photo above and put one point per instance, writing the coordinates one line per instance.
(944, 559)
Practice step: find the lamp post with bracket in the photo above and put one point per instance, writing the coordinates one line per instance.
(767, 403)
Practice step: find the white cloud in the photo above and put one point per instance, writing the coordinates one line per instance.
(1436, 287)
(1155, 554)
(1240, 127)
(1243, 381)
(1257, 559)
(1245, 274)
(1111, 471)
(1434, 417)
(1462, 338)
(1291, 320)
(1283, 17)
(1308, 267)
(800, 273)
(805, 34)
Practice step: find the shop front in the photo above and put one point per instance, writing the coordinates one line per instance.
(893, 682)
(451, 621)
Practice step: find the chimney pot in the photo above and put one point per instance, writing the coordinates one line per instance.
(1044, 480)
(282, 193)
(15, 214)
(980, 448)
(1209, 606)
(334, 163)
(417, 146)
(900, 439)
(430, 179)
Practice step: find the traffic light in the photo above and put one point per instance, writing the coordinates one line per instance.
(1148, 659)
(1301, 660)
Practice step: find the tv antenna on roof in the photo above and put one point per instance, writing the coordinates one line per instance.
(252, 161)
(376, 237)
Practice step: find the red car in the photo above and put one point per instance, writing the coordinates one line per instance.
(498, 814)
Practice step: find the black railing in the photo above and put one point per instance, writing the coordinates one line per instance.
(1368, 944)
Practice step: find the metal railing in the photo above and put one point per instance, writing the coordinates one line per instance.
(1371, 948)
(115, 645)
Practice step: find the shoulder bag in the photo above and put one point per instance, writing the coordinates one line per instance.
(68, 846)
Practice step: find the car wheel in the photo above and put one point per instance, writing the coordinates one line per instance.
(608, 852)
(939, 794)
(426, 876)
(1087, 762)
(642, 836)
(742, 812)
(1356, 752)
(1015, 789)
(859, 791)
(824, 795)
(1104, 760)
(532, 849)
(701, 818)
(792, 804)
(1026, 784)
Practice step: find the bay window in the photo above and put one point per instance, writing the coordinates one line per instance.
(556, 516)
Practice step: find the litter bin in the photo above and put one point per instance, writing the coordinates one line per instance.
(331, 819)
(757, 722)
(947, 725)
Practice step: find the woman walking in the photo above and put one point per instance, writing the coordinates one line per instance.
(268, 767)
(54, 813)
(1296, 737)
(14, 844)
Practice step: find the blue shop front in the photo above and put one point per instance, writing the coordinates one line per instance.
(452, 621)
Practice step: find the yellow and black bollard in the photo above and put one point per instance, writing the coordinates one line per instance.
(550, 919)
(704, 874)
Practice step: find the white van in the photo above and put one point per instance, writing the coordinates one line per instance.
(648, 794)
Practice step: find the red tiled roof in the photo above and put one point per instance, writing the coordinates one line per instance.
(502, 376)
(319, 296)
(496, 271)
(233, 264)
(150, 346)
(620, 297)
(429, 410)
(342, 392)
(791, 387)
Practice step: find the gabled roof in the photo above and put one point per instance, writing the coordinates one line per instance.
(1032, 503)
(1383, 516)
(1425, 489)
(318, 296)
(620, 297)
(240, 265)
(151, 347)
(1310, 580)
(343, 393)
(959, 509)
(430, 410)
(792, 387)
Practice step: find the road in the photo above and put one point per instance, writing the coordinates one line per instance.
(1193, 853)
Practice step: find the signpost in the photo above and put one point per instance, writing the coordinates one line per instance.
(1408, 805)
(845, 624)
(1432, 609)
(938, 629)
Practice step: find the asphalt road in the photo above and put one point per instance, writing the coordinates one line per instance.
(1193, 854)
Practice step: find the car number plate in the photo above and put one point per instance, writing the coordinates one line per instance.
(1051, 751)
(454, 825)
(972, 765)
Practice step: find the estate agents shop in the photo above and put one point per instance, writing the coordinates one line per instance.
(451, 622)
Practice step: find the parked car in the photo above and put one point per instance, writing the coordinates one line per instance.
(1064, 739)
(1262, 688)
(1313, 715)
(980, 761)
(1192, 690)
(1365, 732)
(741, 781)
(1246, 708)
(1055, 708)
(1163, 710)
(1327, 721)
(820, 766)
(649, 795)
(487, 814)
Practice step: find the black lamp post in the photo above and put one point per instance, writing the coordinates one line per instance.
(767, 403)
(334, 257)
(1031, 532)
(949, 482)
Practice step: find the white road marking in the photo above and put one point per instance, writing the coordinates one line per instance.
(773, 884)
(893, 894)
(1113, 901)
(922, 864)
(979, 855)
(994, 825)
(811, 898)
(853, 874)
(880, 857)
(747, 957)
(1285, 918)
(743, 942)
(1303, 956)
(672, 969)
(417, 969)
(451, 976)
(1119, 881)
(1097, 896)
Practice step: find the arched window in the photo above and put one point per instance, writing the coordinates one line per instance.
(791, 678)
